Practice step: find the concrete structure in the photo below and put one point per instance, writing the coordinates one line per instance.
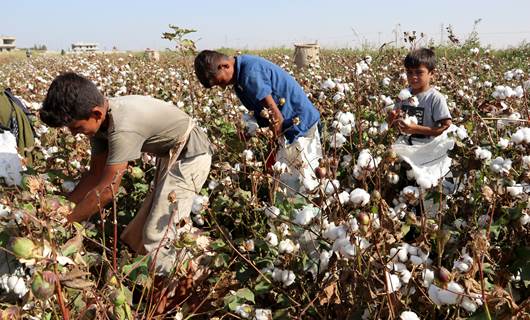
(305, 54)
(151, 54)
(85, 47)
(7, 43)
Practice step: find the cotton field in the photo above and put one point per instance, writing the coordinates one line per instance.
(375, 237)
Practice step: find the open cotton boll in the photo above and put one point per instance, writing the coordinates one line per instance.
(344, 197)
(337, 140)
(524, 219)
(522, 135)
(279, 167)
(324, 260)
(503, 143)
(359, 197)
(526, 161)
(272, 212)
(451, 295)
(287, 246)
(338, 97)
(408, 315)
(404, 94)
(328, 84)
(333, 232)
(247, 154)
(501, 166)
(310, 183)
(263, 314)
(515, 191)
(482, 154)
(305, 215)
(198, 203)
(331, 186)
(272, 239)
(428, 277)
(345, 117)
(392, 282)
(346, 130)
(411, 193)
(385, 82)
(344, 247)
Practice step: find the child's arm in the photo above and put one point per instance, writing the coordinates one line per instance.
(90, 179)
(413, 128)
(392, 116)
(276, 119)
(106, 188)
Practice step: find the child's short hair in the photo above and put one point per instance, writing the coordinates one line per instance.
(70, 97)
(206, 66)
(421, 57)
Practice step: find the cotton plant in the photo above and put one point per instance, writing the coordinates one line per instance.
(365, 165)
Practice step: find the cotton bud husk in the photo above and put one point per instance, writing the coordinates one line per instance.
(23, 248)
(43, 285)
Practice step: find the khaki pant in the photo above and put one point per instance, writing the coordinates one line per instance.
(157, 222)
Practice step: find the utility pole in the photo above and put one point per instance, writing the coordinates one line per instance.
(397, 33)
(442, 34)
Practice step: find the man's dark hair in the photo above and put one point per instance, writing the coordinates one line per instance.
(421, 57)
(206, 66)
(70, 97)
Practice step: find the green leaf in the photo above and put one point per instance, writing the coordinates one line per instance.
(246, 294)
(218, 244)
(262, 287)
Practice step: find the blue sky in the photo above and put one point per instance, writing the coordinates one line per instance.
(136, 25)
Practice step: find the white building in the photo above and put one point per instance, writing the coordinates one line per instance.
(85, 47)
(7, 43)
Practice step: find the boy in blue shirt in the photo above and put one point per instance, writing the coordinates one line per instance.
(277, 101)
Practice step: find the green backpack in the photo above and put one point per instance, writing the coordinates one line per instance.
(14, 117)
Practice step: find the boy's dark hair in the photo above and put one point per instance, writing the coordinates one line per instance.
(206, 66)
(70, 97)
(421, 57)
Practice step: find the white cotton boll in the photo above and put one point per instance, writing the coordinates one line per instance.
(383, 127)
(522, 135)
(334, 232)
(243, 310)
(503, 143)
(344, 247)
(272, 239)
(328, 84)
(346, 130)
(426, 181)
(415, 260)
(287, 246)
(404, 94)
(526, 84)
(212, 184)
(263, 314)
(410, 120)
(413, 101)
(385, 82)
(344, 197)
(359, 197)
(279, 167)
(337, 140)
(247, 154)
(68, 186)
(310, 183)
(408, 315)
(524, 219)
(428, 277)
(324, 260)
(372, 132)
(251, 124)
(508, 75)
(461, 266)
(515, 191)
(392, 282)
(501, 166)
(482, 154)
(402, 254)
(338, 97)
(5, 210)
(340, 88)
(272, 212)
(331, 186)
(392, 177)
(474, 50)
(288, 278)
(450, 295)
(20, 288)
(461, 132)
(526, 161)
(305, 215)
(411, 193)
(412, 250)
(405, 276)
(198, 203)
(198, 219)
(519, 92)
(469, 305)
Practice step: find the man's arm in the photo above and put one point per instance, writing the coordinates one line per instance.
(89, 179)
(101, 194)
(418, 129)
(277, 117)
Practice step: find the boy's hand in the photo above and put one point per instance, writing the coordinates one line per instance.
(408, 128)
(393, 116)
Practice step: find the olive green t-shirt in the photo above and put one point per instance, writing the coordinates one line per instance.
(144, 124)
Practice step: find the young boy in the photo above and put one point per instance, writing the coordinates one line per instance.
(120, 129)
(276, 100)
(431, 111)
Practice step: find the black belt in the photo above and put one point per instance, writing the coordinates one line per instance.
(416, 136)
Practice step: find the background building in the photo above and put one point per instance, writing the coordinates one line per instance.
(7, 43)
(85, 47)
